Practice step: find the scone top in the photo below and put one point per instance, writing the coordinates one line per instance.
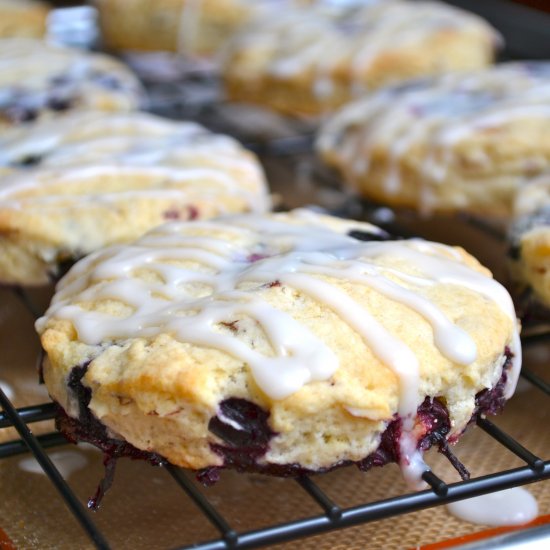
(40, 79)
(460, 142)
(310, 60)
(191, 281)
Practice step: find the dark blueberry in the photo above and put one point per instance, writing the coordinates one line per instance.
(388, 450)
(434, 416)
(254, 432)
(40, 366)
(29, 160)
(107, 81)
(514, 252)
(59, 103)
(60, 80)
(89, 428)
(244, 446)
(62, 267)
(20, 113)
(491, 401)
(368, 236)
(208, 476)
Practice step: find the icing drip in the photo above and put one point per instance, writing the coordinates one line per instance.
(431, 117)
(209, 274)
(510, 507)
(66, 462)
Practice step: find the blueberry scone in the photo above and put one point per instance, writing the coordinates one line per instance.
(453, 143)
(529, 252)
(23, 18)
(90, 179)
(41, 80)
(310, 60)
(280, 343)
(194, 27)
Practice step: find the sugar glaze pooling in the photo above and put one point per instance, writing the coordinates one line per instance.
(514, 506)
(191, 303)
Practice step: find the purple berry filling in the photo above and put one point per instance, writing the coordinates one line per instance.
(88, 428)
(244, 429)
(181, 213)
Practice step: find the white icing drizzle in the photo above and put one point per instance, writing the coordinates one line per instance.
(431, 117)
(514, 506)
(293, 251)
(67, 462)
(319, 38)
(181, 161)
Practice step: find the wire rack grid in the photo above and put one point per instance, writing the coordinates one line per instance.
(332, 516)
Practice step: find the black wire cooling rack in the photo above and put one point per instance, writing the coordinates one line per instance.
(332, 517)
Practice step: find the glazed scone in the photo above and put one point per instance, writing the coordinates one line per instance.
(455, 143)
(529, 239)
(41, 80)
(23, 18)
(283, 343)
(194, 27)
(91, 179)
(310, 60)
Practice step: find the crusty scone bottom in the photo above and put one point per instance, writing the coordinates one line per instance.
(243, 448)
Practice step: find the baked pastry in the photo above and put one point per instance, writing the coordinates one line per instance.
(454, 143)
(283, 343)
(97, 178)
(188, 26)
(23, 18)
(41, 80)
(310, 60)
(529, 239)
